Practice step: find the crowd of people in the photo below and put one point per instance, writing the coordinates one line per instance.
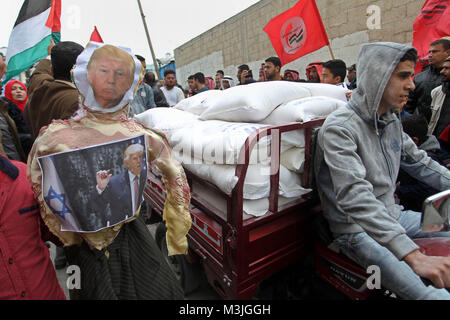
(33, 118)
(331, 72)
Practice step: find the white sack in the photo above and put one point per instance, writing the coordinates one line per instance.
(218, 142)
(259, 207)
(256, 183)
(304, 110)
(195, 104)
(251, 102)
(254, 102)
(167, 120)
(293, 159)
(324, 89)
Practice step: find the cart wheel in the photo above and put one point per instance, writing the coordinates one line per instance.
(188, 274)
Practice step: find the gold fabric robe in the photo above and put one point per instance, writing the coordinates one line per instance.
(91, 128)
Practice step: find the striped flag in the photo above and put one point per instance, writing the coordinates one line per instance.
(55, 196)
(37, 23)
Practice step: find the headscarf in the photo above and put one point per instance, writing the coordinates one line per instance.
(293, 73)
(8, 94)
(316, 64)
(210, 83)
(226, 78)
(93, 125)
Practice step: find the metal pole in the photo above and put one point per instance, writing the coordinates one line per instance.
(149, 41)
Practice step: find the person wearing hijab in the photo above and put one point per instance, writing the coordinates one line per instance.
(9, 137)
(16, 92)
(122, 261)
(16, 95)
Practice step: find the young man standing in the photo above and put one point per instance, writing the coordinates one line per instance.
(172, 93)
(199, 80)
(245, 75)
(351, 76)
(219, 76)
(334, 72)
(52, 94)
(440, 103)
(272, 69)
(420, 99)
(359, 153)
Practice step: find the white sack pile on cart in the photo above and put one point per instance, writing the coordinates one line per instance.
(208, 130)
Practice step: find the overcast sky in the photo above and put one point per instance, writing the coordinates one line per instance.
(170, 22)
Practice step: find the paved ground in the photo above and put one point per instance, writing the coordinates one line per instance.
(204, 292)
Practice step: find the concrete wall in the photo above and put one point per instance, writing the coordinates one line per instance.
(241, 39)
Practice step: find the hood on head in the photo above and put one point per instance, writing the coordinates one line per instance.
(79, 74)
(376, 63)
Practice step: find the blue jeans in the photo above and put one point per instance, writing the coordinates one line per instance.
(397, 276)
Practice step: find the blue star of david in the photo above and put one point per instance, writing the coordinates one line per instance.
(52, 194)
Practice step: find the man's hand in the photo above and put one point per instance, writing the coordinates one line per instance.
(437, 269)
(244, 75)
(348, 94)
(50, 46)
(103, 177)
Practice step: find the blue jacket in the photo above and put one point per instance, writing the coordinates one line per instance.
(143, 100)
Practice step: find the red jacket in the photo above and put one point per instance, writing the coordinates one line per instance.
(26, 271)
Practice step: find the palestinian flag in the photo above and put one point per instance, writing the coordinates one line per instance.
(37, 23)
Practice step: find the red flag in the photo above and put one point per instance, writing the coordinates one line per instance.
(54, 20)
(297, 31)
(95, 36)
(431, 24)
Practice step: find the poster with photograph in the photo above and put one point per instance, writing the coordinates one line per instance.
(97, 187)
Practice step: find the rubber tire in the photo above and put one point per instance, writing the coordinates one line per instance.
(189, 274)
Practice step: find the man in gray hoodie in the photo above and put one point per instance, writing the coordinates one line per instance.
(360, 150)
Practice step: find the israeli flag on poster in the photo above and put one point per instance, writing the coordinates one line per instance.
(96, 187)
(55, 196)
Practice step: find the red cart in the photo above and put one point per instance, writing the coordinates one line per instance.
(237, 253)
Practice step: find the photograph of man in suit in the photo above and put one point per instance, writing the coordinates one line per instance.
(118, 197)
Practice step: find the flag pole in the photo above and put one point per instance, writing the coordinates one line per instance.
(331, 52)
(149, 41)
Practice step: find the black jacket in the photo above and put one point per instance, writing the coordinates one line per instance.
(158, 96)
(420, 98)
(22, 129)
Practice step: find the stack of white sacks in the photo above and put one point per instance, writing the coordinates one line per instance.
(208, 130)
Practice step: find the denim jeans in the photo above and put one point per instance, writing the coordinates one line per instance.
(396, 275)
